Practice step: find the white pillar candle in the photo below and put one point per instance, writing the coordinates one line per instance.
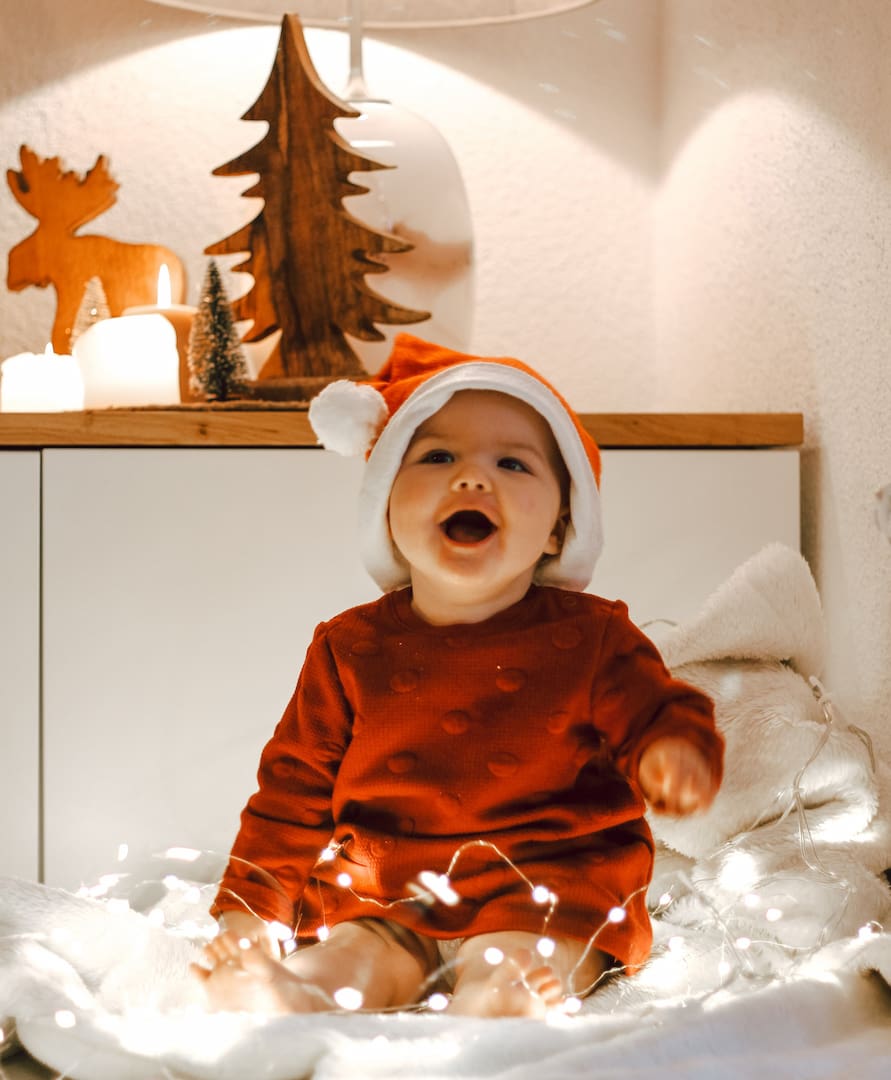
(40, 382)
(130, 360)
(180, 317)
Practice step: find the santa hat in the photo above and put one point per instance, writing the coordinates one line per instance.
(378, 418)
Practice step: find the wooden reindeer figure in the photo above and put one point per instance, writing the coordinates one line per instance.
(54, 255)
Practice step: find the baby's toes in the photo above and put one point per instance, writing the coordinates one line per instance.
(545, 982)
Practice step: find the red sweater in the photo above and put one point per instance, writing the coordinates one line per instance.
(404, 741)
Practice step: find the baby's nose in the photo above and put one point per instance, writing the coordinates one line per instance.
(470, 479)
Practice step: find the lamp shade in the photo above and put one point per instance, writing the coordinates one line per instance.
(382, 14)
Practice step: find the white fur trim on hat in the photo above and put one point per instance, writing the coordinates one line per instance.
(582, 544)
(347, 416)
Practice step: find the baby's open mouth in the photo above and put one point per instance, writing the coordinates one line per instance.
(468, 527)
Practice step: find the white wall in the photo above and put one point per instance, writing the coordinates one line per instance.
(678, 205)
(772, 239)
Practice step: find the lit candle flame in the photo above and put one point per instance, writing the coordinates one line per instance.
(164, 291)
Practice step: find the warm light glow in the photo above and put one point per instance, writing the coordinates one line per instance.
(493, 956)
(545, 947)
(541, 894)
(328, 853)
(348, 997)
(617, 915)
(185, 854)
(344, 880)
(437, 1002)
(739, 874)
(65, 1018)
(440, 886)
(773, 914)
(323, 933)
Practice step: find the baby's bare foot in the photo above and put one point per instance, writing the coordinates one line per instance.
(243, 978)
(513, 987)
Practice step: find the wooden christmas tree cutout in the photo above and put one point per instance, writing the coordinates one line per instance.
(308, 255)
(55, 254)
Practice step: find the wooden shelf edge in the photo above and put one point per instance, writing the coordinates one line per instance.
(289, 427)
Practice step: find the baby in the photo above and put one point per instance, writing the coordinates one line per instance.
(454, 797)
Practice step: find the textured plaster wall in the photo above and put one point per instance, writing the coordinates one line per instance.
(551, 123)
(678, 204)
(771, 240)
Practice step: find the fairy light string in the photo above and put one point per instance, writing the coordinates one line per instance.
(747, 922)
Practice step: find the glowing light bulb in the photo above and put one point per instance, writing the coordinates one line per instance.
(328, 854)
(743, 943)
(65, 1018)
(724, 968)
(440, 886)
(572, 1005)
(541, 894)
(437, 1002)
(493, 956)
(751, 900)
(348, 997)
(344, 880)
(244, 943)
(184, 854)
(773, 914)
(665, 899)
(323, 933)
(739, 874)
(616, 915)
(545, 947)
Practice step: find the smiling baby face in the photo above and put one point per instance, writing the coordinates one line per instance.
(479, 498)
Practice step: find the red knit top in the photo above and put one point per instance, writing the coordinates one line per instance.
(502, 753)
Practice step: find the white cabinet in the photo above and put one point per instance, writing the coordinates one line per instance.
(20, 664)
(181, 588)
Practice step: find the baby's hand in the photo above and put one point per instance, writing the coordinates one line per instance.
(243, 924)
(675, 778)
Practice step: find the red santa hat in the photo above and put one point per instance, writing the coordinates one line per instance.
(378, 418)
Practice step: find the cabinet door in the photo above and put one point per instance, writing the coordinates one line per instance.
(20, 663)
(677, 523)
(182, 589)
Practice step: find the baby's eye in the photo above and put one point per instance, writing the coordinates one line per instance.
(512, 464)
(437, 457)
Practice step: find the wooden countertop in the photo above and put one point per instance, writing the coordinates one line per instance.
(288, 426)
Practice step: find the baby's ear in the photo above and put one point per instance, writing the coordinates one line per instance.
(555, 541)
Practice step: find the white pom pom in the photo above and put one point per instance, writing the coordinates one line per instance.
(347, 417)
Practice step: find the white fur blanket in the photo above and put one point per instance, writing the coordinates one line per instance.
(770, 957)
